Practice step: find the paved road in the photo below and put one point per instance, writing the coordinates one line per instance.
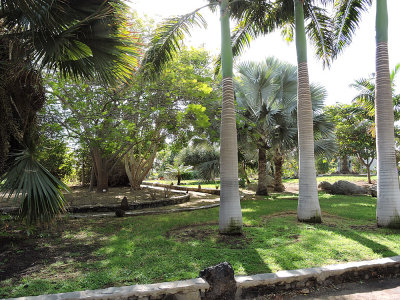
(375, 289)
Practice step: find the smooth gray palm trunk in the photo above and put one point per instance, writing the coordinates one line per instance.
(308, 209)
(388, 204)
(230, 213)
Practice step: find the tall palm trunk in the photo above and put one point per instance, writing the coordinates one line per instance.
(230, 214)
(388, 205)
(308, 209)
(262, 188)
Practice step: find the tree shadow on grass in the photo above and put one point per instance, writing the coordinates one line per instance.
(371, 244)
(182, 252)
(314, 250)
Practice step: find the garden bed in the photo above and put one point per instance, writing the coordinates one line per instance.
(80, 200)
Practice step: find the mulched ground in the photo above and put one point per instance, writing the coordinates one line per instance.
(23, 253)
(81, 196)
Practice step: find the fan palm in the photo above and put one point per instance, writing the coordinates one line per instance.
(177, 170)
(261, 17)
(165, 44)
(348, 17)
(86, 38)
(267, 94)
(39, 192)
(256, 90)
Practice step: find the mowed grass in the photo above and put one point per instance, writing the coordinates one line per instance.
(328, 178)
(334, 178)
(106, 252)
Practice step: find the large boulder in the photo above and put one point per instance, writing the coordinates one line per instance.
(221, 279)
(325, 186)
(343, 187)
(373, 191)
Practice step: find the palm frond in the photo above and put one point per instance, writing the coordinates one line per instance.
(39, 192)
(320, 32)
(347, 19)
(167, 40)
(325, 147)
(86, 39)
(394, 73)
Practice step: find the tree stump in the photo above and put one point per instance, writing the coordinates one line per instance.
(124, 204)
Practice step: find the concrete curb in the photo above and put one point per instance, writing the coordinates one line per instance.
(142, 213)
(185, 188)
(248, 287)
(177, 199)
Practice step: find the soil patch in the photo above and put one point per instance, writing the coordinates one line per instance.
(80, 196)
(22, 254)
(208, 231)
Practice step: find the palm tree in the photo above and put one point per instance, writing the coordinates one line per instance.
(254, 88)
(267, 92)
(177, 170)
(260, 18)
(388, 201)
(308, 209)
(165, 44)
(85, 39)
(348, 17)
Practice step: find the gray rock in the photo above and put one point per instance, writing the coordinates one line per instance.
(343, 187)
(373, 191)
(221, 280)
(325, 186)
(252, 187)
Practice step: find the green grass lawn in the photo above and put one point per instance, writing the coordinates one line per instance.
(98, 253)
(329, 178)
(334, 178)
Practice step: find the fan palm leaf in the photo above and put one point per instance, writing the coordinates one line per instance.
(87, 38)
(39, 192)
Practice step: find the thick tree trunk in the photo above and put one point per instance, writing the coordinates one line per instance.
(344, 165)
(102, 181)
(388, 200)
(101, 168)
(230, 213)
(278, 162)
(92, 179)
(262, 188)
(137, 169)
(308, 209)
